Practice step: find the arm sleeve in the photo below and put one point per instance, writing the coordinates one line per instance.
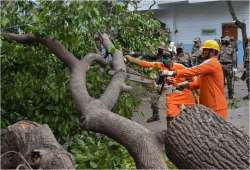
(207, 67)
(144, 64)
(147, 64)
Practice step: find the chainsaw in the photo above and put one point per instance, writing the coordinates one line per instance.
(159, 83)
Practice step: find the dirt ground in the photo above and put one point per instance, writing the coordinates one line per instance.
(238, 114)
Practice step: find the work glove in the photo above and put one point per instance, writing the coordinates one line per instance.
(169, 80)
(169, 73)
(128, 58)
(125, 59)
(182, 85)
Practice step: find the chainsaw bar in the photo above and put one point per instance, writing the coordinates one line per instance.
(135, 77)
(169, 89)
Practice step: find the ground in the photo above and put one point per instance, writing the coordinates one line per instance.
(239, 116)
(238, 113)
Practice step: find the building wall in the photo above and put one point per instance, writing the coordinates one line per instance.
(186, 21)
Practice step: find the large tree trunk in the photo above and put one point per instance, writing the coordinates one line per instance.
(199, 139)
(30, 145)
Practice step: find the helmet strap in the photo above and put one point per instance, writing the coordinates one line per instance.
(211, 53)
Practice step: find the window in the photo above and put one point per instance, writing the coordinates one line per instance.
(208, 32)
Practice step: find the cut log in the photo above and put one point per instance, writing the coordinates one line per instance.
(199, 139)
(31, 145)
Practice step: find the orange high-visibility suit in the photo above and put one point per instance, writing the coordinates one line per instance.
(174, 100)
(211, 84)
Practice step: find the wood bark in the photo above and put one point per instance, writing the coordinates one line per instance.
(32, 146)
(199, 139)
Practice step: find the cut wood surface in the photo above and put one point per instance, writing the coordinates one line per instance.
(199, 139)
(32, 146)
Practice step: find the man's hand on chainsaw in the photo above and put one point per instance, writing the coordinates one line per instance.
(171, 89)
(169, 80)
(169, 73)
(182, 85)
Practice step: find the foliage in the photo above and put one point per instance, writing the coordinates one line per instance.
(126, 104)
(35, 84)
(93, 152)
(36, 88)
(170, 165)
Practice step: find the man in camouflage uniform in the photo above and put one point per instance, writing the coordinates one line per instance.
(153, 93)
(181, 56)
(246, 66)
(228, 62)
(196, 54)
(235, 47)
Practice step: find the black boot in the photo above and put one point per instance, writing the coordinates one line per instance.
(154, 117)
(230, 97)
(230, 94)
(246, 97)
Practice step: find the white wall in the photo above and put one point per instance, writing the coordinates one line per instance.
(190, 19)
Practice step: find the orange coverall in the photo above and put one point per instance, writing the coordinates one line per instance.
(174, 100)
(211, 84)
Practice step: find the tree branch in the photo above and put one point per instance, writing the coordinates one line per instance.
(126, 88)
(117, 61)
(78, 69)
(93, 57)
(111, 94)
(55, 47)
(241, 25)
(154, 2)
(78, 80)
(141, 143)
(231, 10)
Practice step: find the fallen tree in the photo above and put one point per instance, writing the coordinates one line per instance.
(29, 145)
(96, 116)
(144, 145)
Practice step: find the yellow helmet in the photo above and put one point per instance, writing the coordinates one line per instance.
(211, 44)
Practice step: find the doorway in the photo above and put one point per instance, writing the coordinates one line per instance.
(230, 29)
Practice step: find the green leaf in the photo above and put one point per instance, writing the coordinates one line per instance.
(111, 50)
(93, 164)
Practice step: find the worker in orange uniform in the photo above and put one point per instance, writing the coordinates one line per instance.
(174, 100)
(210, 79)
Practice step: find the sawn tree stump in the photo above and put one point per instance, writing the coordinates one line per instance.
(34, 143)
(199, 139)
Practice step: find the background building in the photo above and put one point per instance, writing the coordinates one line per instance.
(207, 19)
